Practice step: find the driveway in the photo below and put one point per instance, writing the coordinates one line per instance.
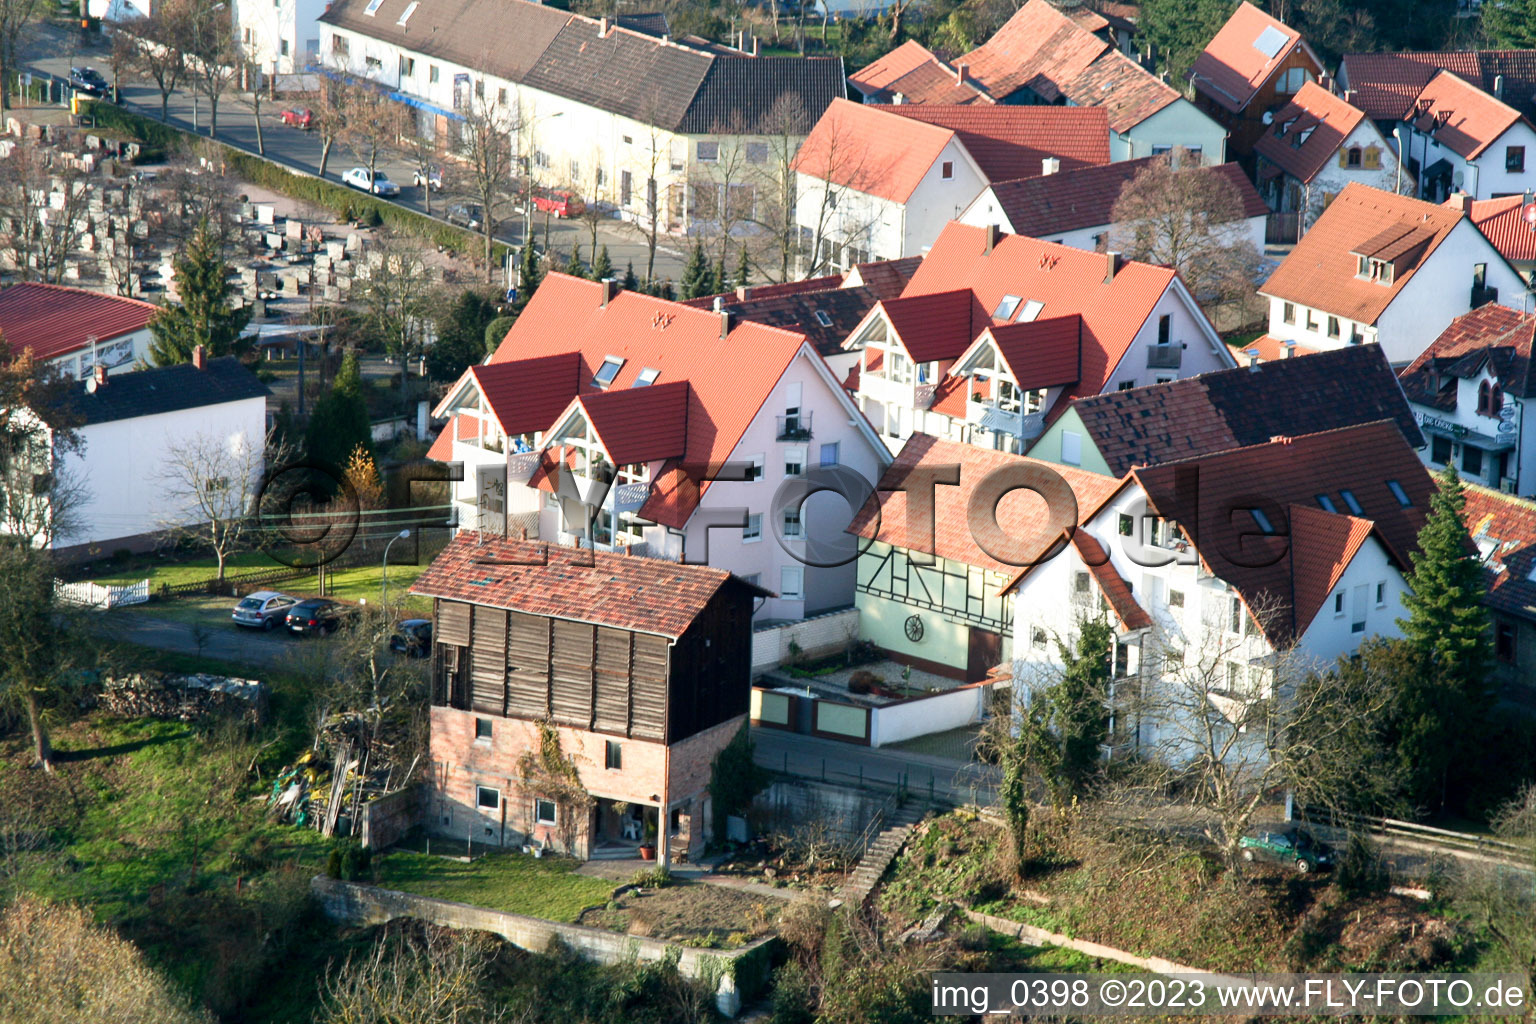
(221, 639)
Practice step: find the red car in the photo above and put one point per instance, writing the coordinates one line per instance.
(561, 204)
(302, 119)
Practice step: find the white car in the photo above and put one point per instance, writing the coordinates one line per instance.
(265, 609)
(357, 177)
(432, 178)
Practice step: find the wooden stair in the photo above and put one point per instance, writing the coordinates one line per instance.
(877, 859)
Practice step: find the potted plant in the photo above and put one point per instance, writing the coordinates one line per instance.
(648, 848)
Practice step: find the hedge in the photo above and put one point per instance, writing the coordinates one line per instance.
(304, 186)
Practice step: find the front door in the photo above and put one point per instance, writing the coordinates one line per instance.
(985, 650)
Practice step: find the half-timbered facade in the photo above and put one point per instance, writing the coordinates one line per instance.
(578, 697)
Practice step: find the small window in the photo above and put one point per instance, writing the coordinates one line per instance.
(1381, 595)
(647, 377)
(629, 140)
(1235, 617)
(1081, 583)
(1440, 450)
(373, 7)
(1311, 321)
(487, 799)
(1234, 676)
(1265, 526)
(822, 318)
(1514, 159)
(794, 461)
(432, 73)
(946, 169)
(614, 759)
(709, 152)
(409, 10)
(1164, 329)
(1288, 312)
(1400, 494)
(608, 371)
(1333, 327)
(791, 582)
(1326, 503)
(754, 468)
(1161, 150)
(757, 152)
(1176, 599)
(1504, 642)
(1071, 448)
(753, 531)
(1007, 307)
(792, 524)
(829, 453)
(1338, 605)
(1354, 156)
(544, 811)
(1471, 459)
(482, 728)
(1126, 385)
(283, 51)
(1037, 637)
(1127, 525)
(1351, 502)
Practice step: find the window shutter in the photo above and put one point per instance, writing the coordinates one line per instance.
(1343, 157)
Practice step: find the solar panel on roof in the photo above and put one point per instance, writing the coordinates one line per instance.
(1270, 41)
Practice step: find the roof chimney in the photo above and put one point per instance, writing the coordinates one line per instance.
(962, 74)
(1458, 202)
(1498, 86)
(743, 293)
(602, 27)
(725, 324)
(1111, 266)
(1326, 81)
(1050, 165)
(200, 357)
(719, 304)
(898, 98)
(1253, 359)
(101, 374)
(610, 288)
(754, 44)
(1290, 348)
(991, 239)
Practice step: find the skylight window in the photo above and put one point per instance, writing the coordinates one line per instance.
(608, 371)
(1354, 505)
(1006, 308)
(1270, 42)
(408, 12)
(1031, 310)
(822, 318)
(1400, 494)
(1326, 503)
(373, 7)
(647, 377)
(1262, 520)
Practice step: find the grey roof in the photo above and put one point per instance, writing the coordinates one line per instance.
(167, 389)
(626, 71)
(652, 23)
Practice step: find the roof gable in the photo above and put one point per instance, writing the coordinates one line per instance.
(1504, 529)
(1385, 84)
(1243, 55)
(640, 425)
(1491, 335)
(914, 72)
(163, 390)
(1308, 131)
(1039, 48)
(871, 150)
(525, 395)
(1502, 221)
(1461, 116)
(53, 320)
(1012, 141)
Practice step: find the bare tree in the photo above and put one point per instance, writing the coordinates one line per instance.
(653, 219)
(400, 295)
(212, 484)
(832, 214)
(723, 200)
(213, 55)
(368, 122)
(436, 977)
(594, 189)
(43, 207)
(157, 48)
(425, 151)
(774, 187)
(484, 148)
(1180, 214)
(15, 18)
(40, 496)
(250, 53)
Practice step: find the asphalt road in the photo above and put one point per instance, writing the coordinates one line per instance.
(222, 640)
(53, 51)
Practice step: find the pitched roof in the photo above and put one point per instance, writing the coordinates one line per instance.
(1022, 514)
(886, 278)
(53, 320)
(1460, 116)
(1128, 92)
(1280, 577)
(740, 94)
(1491, 335)
(1270, 348)
(163, 390)
(1063, 279)
(935, 326)
(640, 425)
(843, 309)
(1502, 221)
(1038, 47)
(1242, 57)
(1385, 84)
(525, 395)
(913, 71)
(1116, 590)
(1012, 142)
(1308, 131)
(1084, 198)
(870, 149)
(647, 595)
(1320, 271)
(729, 378)
(1249, 405)
(1504, 529)
(1042, 353)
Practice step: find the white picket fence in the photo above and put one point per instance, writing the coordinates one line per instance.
(95, 595)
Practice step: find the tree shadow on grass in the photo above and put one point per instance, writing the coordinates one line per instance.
(69, 756)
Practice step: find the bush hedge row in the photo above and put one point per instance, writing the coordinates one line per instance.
(343, 202)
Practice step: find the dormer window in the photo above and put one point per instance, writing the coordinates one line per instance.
(1007, 307)
(1376, 270)
(1490, 399)
(608, 371)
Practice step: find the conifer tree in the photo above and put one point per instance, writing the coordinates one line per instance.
(631, 283)
(530, 273)
(602, 266)
(743, 272)
(1446, 619)
(574, 266)
(203, 314)
(340, 425)
(696, 274)
(717, 279)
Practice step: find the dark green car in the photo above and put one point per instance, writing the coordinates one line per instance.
(1295, 847)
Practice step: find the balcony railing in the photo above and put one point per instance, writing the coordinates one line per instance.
(1165, 357)
(521, 467)
(629, 497)
(1020, 424)
(795, 427)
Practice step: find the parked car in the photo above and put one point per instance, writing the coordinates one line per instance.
(561, 204)
(465, 215)
(413, 638)
(432, 178)
(1295, 847)
(265, 609)
(89, 81)
(357, 177)
(301, 118)
(317, 616)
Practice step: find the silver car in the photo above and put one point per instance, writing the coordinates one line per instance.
(265, 609)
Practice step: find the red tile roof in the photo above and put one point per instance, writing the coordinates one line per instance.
(1233, 67)
(1280, 576)
(1012, 142)
(1461, 116)
(441, 449)
(1128, 92)
(871, 150)
(640, 425)
(1084, 198)
(886, 278)
(1307, 132)
(1026, 524)
(1038, 47)
(1385, 84)
(1116, 590)
(525, 395)
(1504, 528)
(647, 595)
(53, 320)
(920, 77)
(1271, 348)
(729, 378)
(1064, 279)
(1491, 335)
(878, 74)
(935, 326)
(1045, 353)
(1320, 271)
(1502, 221)
(765, 291)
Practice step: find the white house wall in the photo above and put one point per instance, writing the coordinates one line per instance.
(120, 355)
(984, 211)
(265, 25)
(1203, 350)
(1484, 177)
(1179, 124)
(1332, 178)
(1330, 635)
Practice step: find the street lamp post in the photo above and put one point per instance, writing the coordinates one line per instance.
(528, 187)
(384, 579)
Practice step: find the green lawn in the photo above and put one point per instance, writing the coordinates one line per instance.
(159, 571)
(514, 882)
(349, 585)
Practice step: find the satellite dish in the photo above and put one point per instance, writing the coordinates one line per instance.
(90, 385)
(1269, 117)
